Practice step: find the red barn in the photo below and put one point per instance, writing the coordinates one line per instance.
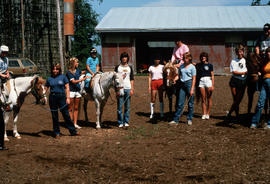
(146, 32)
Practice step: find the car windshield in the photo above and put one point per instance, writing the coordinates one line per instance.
(13, 63)
(26, 62)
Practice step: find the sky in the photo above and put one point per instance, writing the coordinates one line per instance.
(106, 5)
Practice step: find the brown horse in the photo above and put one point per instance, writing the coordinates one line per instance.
(169, 73)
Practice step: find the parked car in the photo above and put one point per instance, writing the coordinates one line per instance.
(21, 67)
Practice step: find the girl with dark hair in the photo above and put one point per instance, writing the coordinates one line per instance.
(254, 64)
(155, 84)
(127, 72)
(59, 99)
(205, 77)
(265, 92)
(238, 80)
(187, 77)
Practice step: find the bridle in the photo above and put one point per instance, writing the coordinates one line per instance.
(35, 92)
(169, 77)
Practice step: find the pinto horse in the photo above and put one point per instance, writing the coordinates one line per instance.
(102, 82)
(169, 73)
(19, 88)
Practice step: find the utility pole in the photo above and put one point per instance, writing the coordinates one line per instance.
(22, 22)
(60, 35)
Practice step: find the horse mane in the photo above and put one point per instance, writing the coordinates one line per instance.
(168, 65)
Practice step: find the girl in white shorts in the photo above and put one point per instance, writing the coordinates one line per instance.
(205, 76)
(73, 75)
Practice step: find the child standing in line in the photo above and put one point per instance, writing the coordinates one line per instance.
(205, 76)
(155, 84)
(238, 80)
(187, 75)
(127, 72)
(73, 75)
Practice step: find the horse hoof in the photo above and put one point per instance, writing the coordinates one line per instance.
(98, 127)
(6, 139)
(18, 137)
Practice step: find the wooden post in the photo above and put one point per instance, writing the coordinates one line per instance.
(22, 22)
(60, 35)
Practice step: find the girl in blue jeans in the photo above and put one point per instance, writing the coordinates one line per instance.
(127, 72)
(59, 99)
(187, 73)
(265, 92)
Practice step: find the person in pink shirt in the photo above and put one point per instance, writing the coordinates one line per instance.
(178, 52)
(155, 85)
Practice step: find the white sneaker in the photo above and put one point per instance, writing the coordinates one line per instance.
(189, 122)
(204, 116)
(173, 123)
(126, 125)
(77, 126)
(207, 116)
(121, 126)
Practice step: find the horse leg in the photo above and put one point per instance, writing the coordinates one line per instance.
(98, 113)
(6, 118)
(85, 102)
(170, 104)
(103, 103)
(15, 131)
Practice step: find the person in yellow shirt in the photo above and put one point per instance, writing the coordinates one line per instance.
(265, 92)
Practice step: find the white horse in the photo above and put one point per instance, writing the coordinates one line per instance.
(100, 92)
(19, 88)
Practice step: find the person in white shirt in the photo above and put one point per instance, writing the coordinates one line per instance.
(155, 85)
(238, 80)
(127, 72)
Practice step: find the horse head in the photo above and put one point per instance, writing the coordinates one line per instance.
(169, 73)
(118, 82)
(38, 90)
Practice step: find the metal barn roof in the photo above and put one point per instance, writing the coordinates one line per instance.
(185, 19)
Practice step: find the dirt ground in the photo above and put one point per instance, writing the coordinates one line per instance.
(209, 151)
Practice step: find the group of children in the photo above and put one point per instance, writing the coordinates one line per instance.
(185, 83)
(200, 76)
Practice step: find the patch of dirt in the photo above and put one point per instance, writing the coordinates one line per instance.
(209, 151)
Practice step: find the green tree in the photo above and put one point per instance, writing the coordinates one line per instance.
(85, 36)
(258, 3)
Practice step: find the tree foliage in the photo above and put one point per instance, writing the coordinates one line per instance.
(258, 3)
(85, 36)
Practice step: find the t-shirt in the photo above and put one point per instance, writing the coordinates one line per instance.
(92, 63)
(204, 70)
(156, 72)
(74, 76)
(3, 64)
(263, 42)
(187, 73)
(127, 73)
(238, 65)
(57, 84)
(178, 53)
(266, 71)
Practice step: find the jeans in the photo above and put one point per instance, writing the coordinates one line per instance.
(123, 100)
(184, 92)
(87, 81)
(264, 94)
(58, 100)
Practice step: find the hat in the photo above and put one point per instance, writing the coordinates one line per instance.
(93, 51)
(266, 26)
(4, 48)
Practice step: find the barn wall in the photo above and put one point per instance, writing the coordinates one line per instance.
(41, 37)
(111, 54)
(219, 45)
